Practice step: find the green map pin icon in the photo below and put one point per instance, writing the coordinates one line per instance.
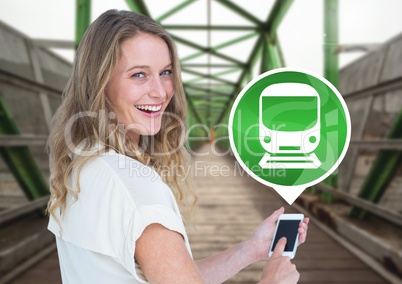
(289, 129)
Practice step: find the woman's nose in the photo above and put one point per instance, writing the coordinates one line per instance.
(157, 89)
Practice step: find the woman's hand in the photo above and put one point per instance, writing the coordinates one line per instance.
(279, 269)
(259, 242)
(222, 266)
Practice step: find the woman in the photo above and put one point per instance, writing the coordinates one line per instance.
(116, 154)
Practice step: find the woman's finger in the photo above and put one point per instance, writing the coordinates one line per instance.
(303, 227)
(275, 215)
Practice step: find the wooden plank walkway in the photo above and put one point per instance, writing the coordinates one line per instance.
(231, 206)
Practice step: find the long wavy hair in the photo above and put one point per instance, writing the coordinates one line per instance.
(86, 118)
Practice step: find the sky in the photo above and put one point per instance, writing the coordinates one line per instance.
(300, 33)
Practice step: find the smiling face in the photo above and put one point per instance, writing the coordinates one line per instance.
(141, 85)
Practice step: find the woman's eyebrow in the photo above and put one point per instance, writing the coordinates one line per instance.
(168, 65)
(146, 67)
(137, 66)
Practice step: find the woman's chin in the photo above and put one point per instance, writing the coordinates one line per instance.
(147, 132)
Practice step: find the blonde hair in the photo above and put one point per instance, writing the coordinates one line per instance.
(85, 93)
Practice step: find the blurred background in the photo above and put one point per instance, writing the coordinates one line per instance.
(356, 229)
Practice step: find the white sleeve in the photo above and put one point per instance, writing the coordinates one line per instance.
(143, 217)
(154, 203)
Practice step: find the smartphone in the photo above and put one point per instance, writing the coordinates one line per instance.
(287, 226)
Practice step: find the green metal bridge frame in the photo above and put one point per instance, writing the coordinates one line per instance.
(210, 103)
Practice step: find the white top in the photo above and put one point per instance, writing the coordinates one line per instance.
(119, 198)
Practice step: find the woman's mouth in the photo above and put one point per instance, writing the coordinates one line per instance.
(149, 110)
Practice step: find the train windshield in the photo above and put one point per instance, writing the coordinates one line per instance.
(290, 113)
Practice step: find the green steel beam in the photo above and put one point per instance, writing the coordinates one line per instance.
(382, 172)
(202, 107)
(217, 92)
(232, 70)
(271, 55)
(279, 50)
(276, 15)
(219, 98)
(20, 160)
(208, 76)
(208, 65)
(189, 86)
(138, 6)
(225, 72)
(331, 41)
(206, 90)
(264, 57)
(218, 85)
(219, 103)
(331, 72)
(197, 102)
(193, 109)
(209, 111)
(174, 10)
(83, 19)
(272, 51)
(222, 98)
(240, 11)
(198, 79)
(206, 106)
(210, 28)
(236, 40)
(251, 61)
(203, 97)
(249, 75)
(206, 49)
(192, 56)
(216, 48)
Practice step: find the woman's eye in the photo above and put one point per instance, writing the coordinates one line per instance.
(138, 75)
(166, 72)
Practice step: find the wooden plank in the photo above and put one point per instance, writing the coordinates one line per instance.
(46, 271)
(341, 276)
(232, 206)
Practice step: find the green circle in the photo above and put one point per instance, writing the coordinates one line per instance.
(334, 129)
(267, 139)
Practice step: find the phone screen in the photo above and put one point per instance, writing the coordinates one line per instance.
(288, 229)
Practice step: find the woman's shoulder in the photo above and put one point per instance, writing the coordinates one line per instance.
(128, 170)
(120, 173)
